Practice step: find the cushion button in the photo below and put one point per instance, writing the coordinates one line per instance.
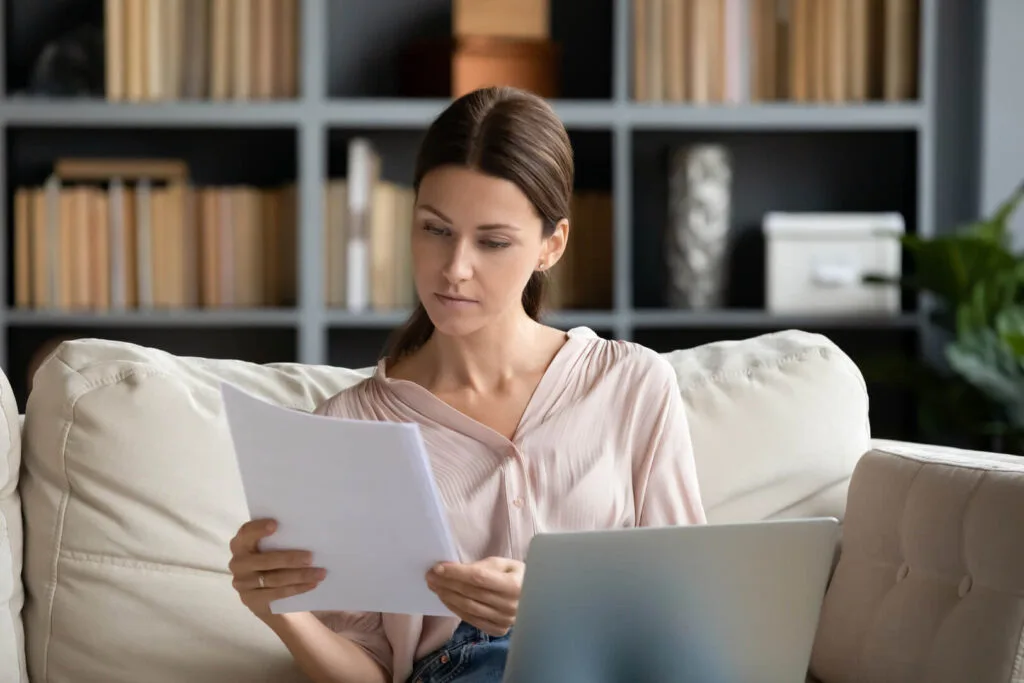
(965, 586)
(902, 573)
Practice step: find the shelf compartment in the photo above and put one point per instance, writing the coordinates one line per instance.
(239, 179)
(823, 171)
(365, 57)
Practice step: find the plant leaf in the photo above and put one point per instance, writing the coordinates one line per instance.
(983, 359)
(951, 265)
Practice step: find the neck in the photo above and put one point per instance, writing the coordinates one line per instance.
(485, 360)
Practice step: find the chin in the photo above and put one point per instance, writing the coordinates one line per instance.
(455, 323)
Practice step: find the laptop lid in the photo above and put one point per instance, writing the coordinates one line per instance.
(729, 603)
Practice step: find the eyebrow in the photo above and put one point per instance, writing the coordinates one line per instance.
(488, 226)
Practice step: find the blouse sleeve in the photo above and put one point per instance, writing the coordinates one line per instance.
(365, 629)
(668, 491)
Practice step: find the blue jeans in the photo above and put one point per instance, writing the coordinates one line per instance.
(470, 656)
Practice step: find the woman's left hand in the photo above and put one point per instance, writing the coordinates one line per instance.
(484, 593)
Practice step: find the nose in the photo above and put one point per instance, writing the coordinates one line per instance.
(459, 265)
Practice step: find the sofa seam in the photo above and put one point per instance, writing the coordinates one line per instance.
(103, 559)
(59, 523)
(776, 364)
(861, 647)
(85, 387)
(994, 467)
(149, 371)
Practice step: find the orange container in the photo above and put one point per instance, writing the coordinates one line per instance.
(484, 61)
(450, 68)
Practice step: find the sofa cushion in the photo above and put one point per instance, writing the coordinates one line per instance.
(930, 584)
(778, 423)
(131, 494)
(12, 637)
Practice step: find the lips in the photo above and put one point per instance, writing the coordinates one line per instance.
(454, 300)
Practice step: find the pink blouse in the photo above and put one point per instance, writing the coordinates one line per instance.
(603, 443)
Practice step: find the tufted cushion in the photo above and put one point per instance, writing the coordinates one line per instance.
(778, 423)
(12, 637)
(131, 493)
(930, 585)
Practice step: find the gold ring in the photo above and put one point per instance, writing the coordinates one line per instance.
(259, 579)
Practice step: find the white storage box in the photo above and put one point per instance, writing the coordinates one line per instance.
(817, 262)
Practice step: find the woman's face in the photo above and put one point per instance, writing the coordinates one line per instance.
(476, 241)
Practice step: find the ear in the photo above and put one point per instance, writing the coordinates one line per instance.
(554, 246)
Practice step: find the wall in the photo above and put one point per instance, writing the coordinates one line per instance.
(1002, 107)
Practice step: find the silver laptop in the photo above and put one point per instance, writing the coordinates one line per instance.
(730, 603)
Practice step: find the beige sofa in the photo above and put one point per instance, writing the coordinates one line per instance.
(114, 541)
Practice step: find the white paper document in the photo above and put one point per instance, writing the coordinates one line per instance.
(359, 495)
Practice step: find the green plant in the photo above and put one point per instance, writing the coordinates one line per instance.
(976, 280)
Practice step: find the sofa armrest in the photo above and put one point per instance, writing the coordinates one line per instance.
(930, 583)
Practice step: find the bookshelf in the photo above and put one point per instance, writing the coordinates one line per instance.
(872, 155)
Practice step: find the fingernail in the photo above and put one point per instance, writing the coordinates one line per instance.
(270, 526)
(439, 569)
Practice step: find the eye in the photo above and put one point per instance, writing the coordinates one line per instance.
(495, 244)
(435, 229)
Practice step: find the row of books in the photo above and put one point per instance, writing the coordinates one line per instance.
(736, 51)
(152, 245)
(376, 272)
(368, 221)
(167, 50)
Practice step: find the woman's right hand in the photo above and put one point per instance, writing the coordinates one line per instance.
(284, 572)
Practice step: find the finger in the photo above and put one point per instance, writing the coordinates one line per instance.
(478, 611)
(271, 594)
(472, 579)
(279, 579)
(269, 561)
(488, 627)
(496, 601)
(250, 534)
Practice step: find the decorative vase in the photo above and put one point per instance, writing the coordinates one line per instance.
(700, 183)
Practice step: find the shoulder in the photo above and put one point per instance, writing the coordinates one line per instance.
(624, 368)
(352, 402)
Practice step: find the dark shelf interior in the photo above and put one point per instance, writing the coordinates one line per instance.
(256, 345)
(33, 26)
(355, 347)
(366, 56)
(398, 148)
(260, 157)
(862, 171)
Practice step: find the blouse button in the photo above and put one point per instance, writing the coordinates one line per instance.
(518, 502)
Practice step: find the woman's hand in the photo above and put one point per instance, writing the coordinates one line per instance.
(262, 577)
(484, 594)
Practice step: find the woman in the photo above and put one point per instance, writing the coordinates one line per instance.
(529, 429)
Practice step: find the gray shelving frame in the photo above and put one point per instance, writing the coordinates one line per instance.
(314, 114)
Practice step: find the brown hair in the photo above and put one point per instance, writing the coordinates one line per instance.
(509, 134)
